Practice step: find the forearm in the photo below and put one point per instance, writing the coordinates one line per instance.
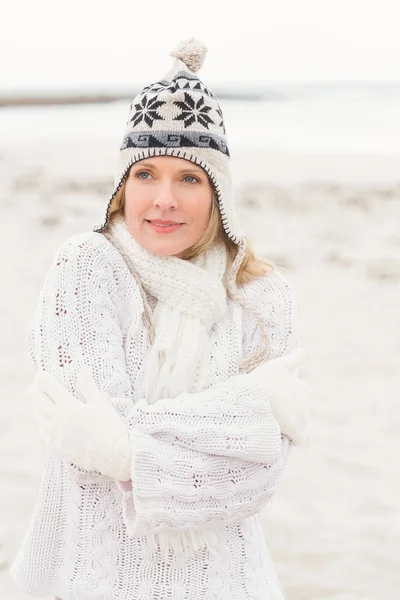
(178, 488)
(230, 419)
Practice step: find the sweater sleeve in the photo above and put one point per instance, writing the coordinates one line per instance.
(275, 297)
(232, 418)
(173, 487)
(76, 323)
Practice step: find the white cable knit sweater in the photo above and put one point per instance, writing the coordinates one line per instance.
(205, 460)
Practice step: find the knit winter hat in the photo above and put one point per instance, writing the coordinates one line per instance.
(179, 116)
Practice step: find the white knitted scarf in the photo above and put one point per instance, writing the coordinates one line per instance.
(191, 299)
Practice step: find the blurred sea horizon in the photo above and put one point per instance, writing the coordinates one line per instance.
(321, 118)
(274, 91)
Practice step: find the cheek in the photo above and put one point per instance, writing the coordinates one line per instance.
(136, 201)
(200, 209)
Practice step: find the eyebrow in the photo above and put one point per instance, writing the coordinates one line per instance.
(193, 169)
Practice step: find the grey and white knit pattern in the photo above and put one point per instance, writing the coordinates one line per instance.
(179, 116)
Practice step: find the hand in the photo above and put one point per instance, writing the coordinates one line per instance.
(289, 397)
(92, 435)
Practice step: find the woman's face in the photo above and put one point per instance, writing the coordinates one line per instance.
(165, 189)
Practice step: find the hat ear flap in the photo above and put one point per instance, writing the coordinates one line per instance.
(118, 202)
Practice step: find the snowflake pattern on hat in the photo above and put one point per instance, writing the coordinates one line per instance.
(221, 116)
(146, 110)
(193, 111)
(185, 92)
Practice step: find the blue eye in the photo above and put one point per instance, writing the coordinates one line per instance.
(143, 173)
(194, 179)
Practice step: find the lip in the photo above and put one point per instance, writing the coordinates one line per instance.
(164, 222)
(169, 226)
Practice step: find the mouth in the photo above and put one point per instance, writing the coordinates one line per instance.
(164, 226)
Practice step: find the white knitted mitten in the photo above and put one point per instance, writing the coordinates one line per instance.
(288, 396)
(92, 435)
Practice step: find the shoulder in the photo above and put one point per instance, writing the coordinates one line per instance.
(88, 244)
(89, 260)
(274, 287)
(275, 299)
(91, 252)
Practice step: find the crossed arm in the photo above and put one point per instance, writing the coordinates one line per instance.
(200, 458)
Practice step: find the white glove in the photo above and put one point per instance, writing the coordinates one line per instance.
(91, 435)
(289, 397)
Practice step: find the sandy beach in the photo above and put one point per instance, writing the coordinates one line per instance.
(333, 526)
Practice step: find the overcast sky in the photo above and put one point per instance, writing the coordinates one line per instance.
(45, 43)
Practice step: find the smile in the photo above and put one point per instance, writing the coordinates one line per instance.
(164, 227)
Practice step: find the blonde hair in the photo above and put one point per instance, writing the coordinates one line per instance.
(251, 266)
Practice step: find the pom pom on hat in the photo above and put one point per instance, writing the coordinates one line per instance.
(192, 52)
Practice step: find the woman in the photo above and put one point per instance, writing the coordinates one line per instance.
(166, 426)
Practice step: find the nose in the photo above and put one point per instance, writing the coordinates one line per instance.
(164, 198)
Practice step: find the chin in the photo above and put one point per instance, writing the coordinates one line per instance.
(165, 249)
